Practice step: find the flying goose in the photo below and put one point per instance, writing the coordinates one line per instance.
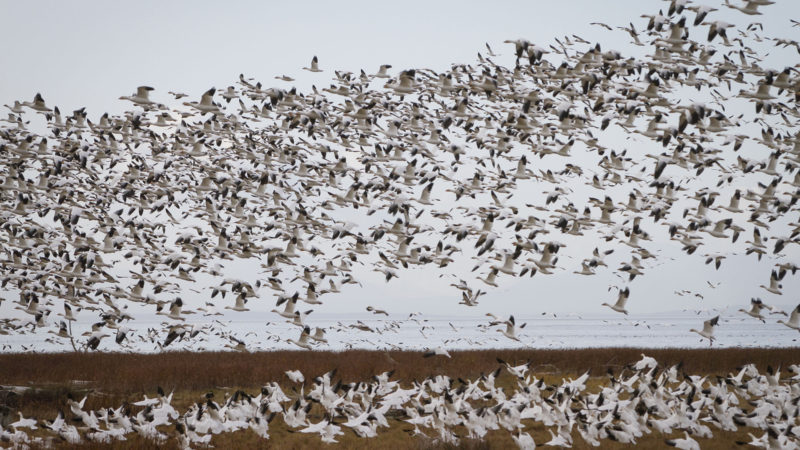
(303, 341)
(239, 306)
(175, 309)
(206, 103)
(382, 71)
(794, 319)
(774, 283)
(438, 351)
(288, 310)
(377, 311)
(708, 329)
(756, 306)
(94, 339)
(622, 299)
(37, 104)
(750, 8)
(314, 65)
(319, 335)
(511, 329)
(141, 97)
(295, 376)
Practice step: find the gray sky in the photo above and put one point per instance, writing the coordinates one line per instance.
(88, 53)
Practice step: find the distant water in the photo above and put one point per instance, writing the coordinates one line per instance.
(268, 331)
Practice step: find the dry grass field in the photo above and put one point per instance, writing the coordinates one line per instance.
(109, 379)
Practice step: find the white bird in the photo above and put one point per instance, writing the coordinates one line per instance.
(382, 71)
(295, 375)
(523, 440)
(756, 306)
(774, 284)
(37, 104)
(288, 310)
(708, 329)
(622, 299)
(750, 8)
(438, 351)
(319, 335)
(95, 338)
(303, 341)
(206, 103)
(647, 362)
(686, 443)
(239, 306)
(141, 97)
(377, 311)
(511, 329)
(24, 423)
(314, 65)
(794, 319)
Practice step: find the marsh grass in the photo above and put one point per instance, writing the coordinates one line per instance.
(109, 379)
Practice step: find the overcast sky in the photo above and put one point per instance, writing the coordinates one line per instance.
(88, 53)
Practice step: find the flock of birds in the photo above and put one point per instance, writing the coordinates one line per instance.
(211, 205)
(641, 399)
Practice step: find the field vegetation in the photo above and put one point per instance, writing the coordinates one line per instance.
(111, 379)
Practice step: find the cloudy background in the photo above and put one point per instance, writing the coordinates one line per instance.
(88, 53)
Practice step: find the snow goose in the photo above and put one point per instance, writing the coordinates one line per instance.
(774, 284)
(239, 306)
(523, 440)
(750, 8)
(518, 371)
(686, 443)
(94, 339)
(794, 319)
(314, 65)
(511, 329)
(175, 309)
(206, 103)
(295, 376)
(288, 310)
(377, 311)
(756, 306)
(405, 83)
(141, 97)
(319, 335)
(236, 345)
(562, 439)
(24, 423)
(490, 278)
(303, 341)
(622, 299)
(300, 318)
(62, 330)
(708, 329)
(438, 351)
(382, 71)
(647, 362)
(37, 104)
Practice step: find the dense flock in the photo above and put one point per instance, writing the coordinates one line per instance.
(643, 398)
(573, 159)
